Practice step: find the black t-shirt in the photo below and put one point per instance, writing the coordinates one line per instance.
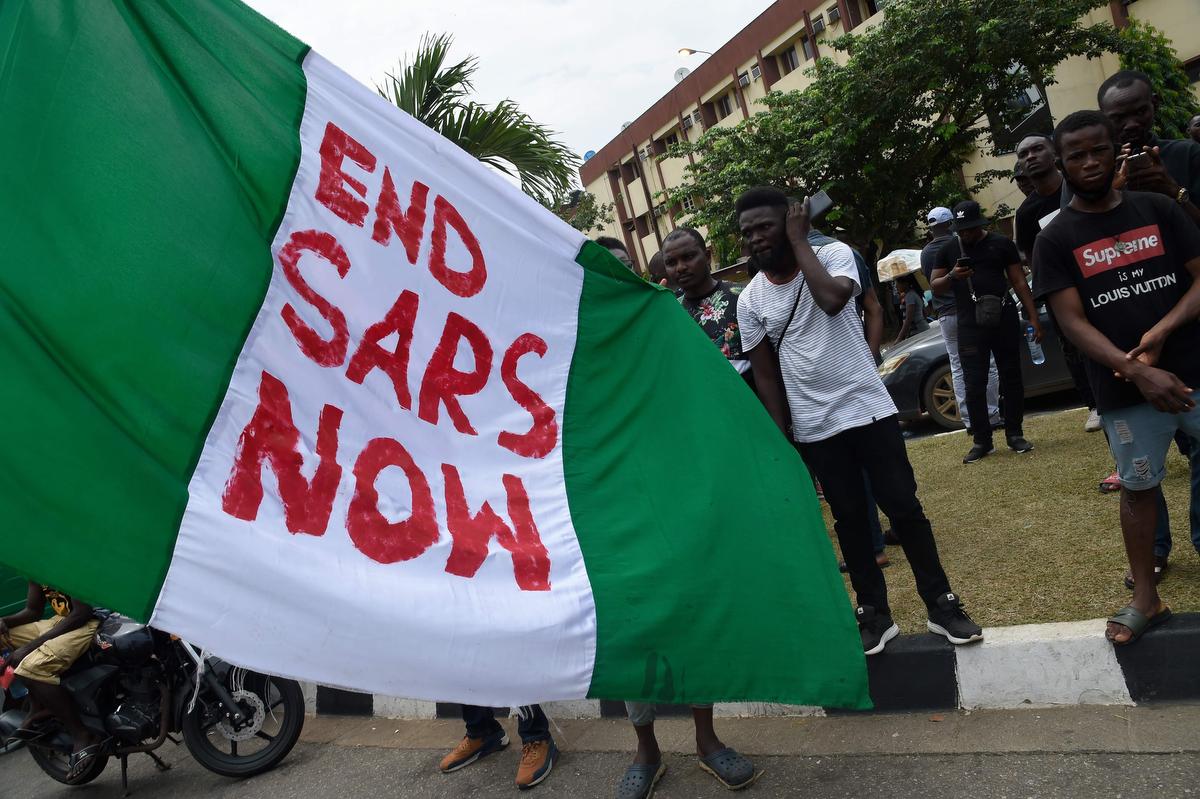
(990, 258)
(1181, 159)
(1128, 265)
(942, 303)
(1029, 216)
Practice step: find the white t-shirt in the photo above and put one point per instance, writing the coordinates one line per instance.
(829, 374)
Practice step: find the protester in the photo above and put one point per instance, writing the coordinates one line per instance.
(1035, 153)
(1170, 167)
(980, 267)
(1193, 129)
(914, 309)
(1021, 178)
(618, 249)
(485, 736)
(817, 379)
(658, 272)
(41, 651)
(711, 302)
(1122, 273)
(946, 312)
(732, 770)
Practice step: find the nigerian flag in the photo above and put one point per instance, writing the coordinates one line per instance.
(291, 376)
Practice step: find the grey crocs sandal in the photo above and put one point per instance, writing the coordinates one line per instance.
(731, 769)
(639, 780)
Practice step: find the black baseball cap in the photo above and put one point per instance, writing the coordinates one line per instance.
(967, 215)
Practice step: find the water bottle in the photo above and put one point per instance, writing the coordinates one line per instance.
(1035, 349)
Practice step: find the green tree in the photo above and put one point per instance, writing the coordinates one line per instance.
(1145, 48)
(437, 93)
(887, 132)
(580, 210)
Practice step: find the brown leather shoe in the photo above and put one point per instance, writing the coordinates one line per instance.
(537, 758)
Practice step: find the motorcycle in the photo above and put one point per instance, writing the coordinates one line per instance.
(137, 687)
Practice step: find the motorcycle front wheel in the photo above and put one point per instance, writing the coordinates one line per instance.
(275, 710)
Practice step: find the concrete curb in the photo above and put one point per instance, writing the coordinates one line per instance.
(1033, 665)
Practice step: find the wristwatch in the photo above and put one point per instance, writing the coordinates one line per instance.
(1183, 197)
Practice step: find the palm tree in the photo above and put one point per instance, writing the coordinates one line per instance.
(436, 93)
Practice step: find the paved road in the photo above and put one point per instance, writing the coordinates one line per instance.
(327, 770)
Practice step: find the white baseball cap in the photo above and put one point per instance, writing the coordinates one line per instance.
(939, 216)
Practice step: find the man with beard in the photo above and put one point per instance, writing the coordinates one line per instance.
(1122, 274)
(1170, 167)
(1022, 179)
(1036, 155)
(813, 367)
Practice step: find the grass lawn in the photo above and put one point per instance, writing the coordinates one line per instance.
(1029, 538)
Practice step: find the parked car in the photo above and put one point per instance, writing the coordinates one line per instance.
(917, 374)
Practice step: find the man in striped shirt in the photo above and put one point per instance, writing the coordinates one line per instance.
(812, 365)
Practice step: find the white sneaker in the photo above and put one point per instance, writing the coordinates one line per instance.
(1092, 424)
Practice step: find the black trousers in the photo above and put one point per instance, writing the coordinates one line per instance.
(876, 449)
(532, 723)
(976, 347)
(1075, 362)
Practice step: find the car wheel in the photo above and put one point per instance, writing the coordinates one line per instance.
(938, 398)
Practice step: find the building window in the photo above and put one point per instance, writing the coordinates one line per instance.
(809, 52)
(670, 140)
(1028, 112)
(744, 79)
(724, 106)
(789, 60)
(755, 72)
(688, 204)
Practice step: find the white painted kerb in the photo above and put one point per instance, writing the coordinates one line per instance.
(1040, 665)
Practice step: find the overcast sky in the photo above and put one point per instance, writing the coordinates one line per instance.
(580, 68)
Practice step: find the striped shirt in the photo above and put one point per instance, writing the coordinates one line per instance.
(829, 375)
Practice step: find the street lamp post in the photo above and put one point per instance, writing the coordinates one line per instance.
(690, 51)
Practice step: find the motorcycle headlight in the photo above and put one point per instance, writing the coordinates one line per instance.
(892, 364)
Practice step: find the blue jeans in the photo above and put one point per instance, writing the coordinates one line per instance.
(1162, 533)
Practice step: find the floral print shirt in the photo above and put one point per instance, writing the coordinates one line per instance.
(716, 313)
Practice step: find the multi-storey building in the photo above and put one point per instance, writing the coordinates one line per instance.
(773, 52)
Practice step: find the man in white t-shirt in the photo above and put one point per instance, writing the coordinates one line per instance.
(797, 311)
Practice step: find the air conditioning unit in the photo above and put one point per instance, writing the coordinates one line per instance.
(834, 14)
(660, 210)
(699, 117)
(818, 24)
(687, 122)
(755, 72)
(743, 79)
(644, 153)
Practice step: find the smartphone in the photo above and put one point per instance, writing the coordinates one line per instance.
(964, 261)
(1138, 161)
(819, 205)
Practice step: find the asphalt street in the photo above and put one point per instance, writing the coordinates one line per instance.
(1107, 752)
(316, 770)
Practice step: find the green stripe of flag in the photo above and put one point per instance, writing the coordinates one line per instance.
(643, 510)
(148, 157)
